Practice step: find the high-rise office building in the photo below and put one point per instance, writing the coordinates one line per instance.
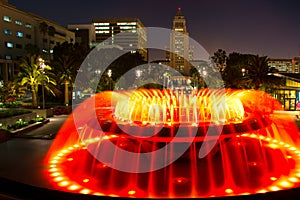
(133, 37)
(180, 52)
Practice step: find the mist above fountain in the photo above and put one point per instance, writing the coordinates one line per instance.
(247, 148)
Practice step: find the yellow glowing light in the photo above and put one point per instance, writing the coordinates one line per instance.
(70, 159)
(64, 183)
(246, 193)
(58, 179)
(54, 161)
(113, 195)
(274, 188)
(275, 141)
(268, 139)
(289, 157)
(131, 192)
(74, 187)
(98, 194)
(262, 191)
(56, 158)
(60, 154)
(229, 191)
(292, 149)
(261, 137)
(76, 145)
(85, 191)
(273, 178)
(293, 179)
(53, 170)
(273, 146)
(287, 146)
(55, 174)
(86, 180)
(105, 137)
(65, 151)
(285, 184)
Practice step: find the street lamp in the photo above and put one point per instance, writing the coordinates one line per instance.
(243, 71)
(109, 73)
(42, 67)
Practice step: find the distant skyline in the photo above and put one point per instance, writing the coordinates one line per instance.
(262, 27)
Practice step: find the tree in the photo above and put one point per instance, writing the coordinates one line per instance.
(11, 90)
(67, 58)
(234, 74)
(31, 75)
(220, 59)
(260, 74)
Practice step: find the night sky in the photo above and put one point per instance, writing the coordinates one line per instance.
(263, 27)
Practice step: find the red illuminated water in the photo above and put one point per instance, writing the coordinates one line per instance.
(256, 150)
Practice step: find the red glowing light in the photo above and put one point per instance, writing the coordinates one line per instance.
(257, 152)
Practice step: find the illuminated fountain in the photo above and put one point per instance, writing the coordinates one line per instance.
(210, 143)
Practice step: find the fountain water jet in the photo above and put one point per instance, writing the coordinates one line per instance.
(256, 151)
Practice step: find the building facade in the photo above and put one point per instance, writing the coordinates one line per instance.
(285, 65)
(133, 37)
(84, 34)
(19, 28)
(179, 52)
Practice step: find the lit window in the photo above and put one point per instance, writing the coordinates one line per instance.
(102, 28)
(6, 18)
(7, 32)
(8, 57)
(127, 27)
(101, 24)
(9, 45)
(102, 32)
(27, 25)
(18, 22)
(126, 23)
(19, 34)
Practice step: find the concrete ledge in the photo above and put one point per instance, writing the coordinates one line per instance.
(46, 113)
(11, 120)
(28, 128)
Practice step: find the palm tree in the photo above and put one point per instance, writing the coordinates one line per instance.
(65, 66)
(67, 59)
(259, 74)
(32, 75)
